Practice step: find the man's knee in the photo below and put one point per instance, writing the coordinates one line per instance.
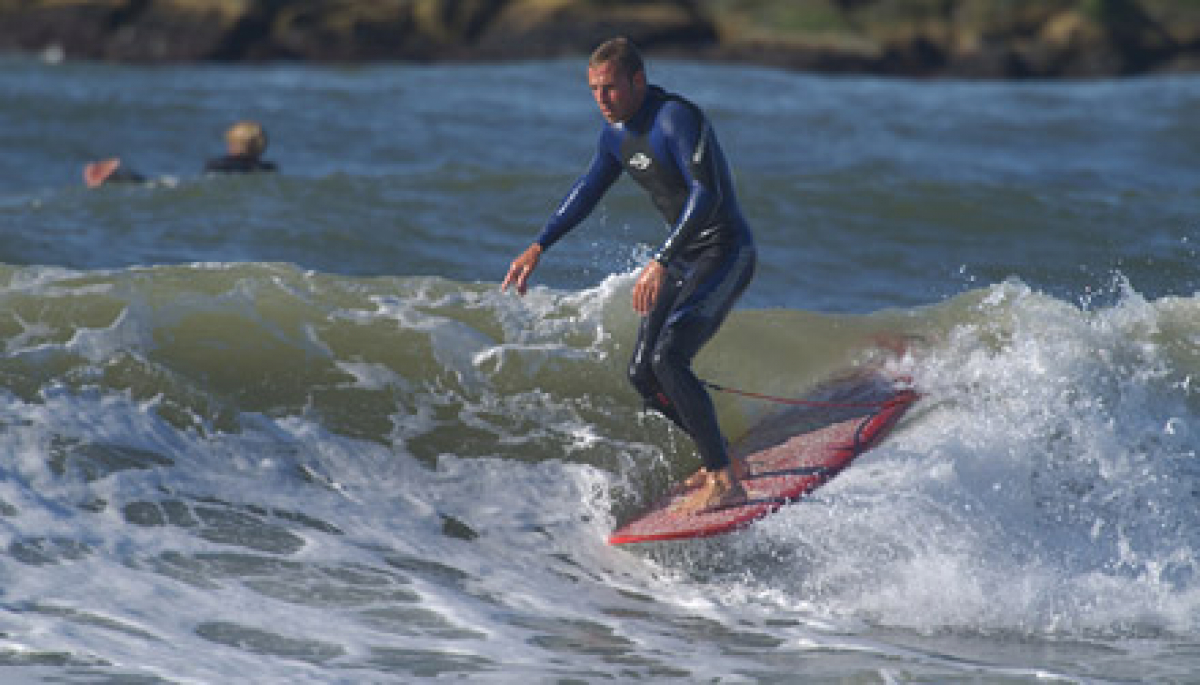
(641, 375)
(667, 364)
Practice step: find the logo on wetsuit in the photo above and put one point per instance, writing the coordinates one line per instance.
(640, 161)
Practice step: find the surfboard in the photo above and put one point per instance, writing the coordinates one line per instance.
(95, 173)
(789, 455)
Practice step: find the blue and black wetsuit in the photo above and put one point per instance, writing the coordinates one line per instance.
(669, 148)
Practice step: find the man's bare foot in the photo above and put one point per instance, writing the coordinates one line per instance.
(741, 471)
(720, 489)
(697, 479)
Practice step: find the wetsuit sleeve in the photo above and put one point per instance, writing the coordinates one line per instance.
(587, 191)
(688, 137)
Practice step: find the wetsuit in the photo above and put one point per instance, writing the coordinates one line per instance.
(669, 148)
(123, 175)
(238, 164)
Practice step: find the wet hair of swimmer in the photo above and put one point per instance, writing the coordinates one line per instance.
(246, 138)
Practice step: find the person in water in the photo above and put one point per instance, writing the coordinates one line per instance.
(685, 291)
(245, 142)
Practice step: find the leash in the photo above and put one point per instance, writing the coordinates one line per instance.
(802, 403)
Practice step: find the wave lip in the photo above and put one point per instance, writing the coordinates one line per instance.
(1053, 467)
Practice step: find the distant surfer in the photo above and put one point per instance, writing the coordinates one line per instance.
(687, 289)
(245, 143)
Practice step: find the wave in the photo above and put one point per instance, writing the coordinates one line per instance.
(212, 342)
(1051, 463)
(1047, 485)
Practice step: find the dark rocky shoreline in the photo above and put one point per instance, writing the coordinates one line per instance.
(997, 39)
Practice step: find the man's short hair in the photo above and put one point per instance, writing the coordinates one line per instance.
(620, 51)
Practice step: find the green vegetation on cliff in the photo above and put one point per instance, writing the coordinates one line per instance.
(981, 38)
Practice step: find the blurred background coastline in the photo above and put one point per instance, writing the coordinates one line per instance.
(979, 39)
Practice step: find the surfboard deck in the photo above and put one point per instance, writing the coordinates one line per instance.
(789, 455)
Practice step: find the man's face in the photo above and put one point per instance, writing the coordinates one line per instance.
(618, 95)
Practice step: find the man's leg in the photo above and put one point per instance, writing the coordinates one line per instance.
(641, 364)
(708, 293)
(718, 483)
(672, 364)
(641, 368)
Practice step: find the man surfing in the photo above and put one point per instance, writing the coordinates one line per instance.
(686, 290)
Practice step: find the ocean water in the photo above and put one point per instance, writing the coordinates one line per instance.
(286, 429)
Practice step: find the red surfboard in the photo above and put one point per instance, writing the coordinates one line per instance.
(789, 456)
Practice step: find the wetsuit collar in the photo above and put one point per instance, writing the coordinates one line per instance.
(641, 119)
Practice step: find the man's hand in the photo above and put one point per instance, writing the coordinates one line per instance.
(649, 283)
(521, 268)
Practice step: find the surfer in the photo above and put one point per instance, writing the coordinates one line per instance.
(686, 290)
(245, 142)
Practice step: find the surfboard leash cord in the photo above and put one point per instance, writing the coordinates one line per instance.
(805, 403)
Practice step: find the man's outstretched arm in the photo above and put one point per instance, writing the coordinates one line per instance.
(585, 194)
